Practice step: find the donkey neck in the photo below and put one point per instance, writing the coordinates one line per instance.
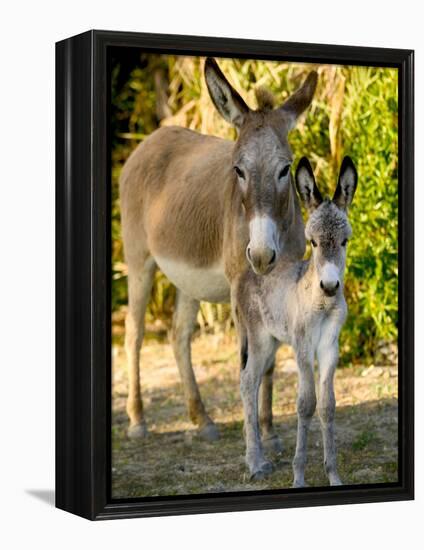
(290, 299)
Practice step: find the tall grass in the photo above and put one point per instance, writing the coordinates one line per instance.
(354, 112)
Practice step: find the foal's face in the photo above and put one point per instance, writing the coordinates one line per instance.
(328, 228)
(261, 161)
(328, 231)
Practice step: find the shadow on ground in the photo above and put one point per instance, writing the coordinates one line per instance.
(45, 495)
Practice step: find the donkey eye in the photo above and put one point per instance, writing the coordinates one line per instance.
(344, 243)
(239, 172)
(313, 243)
(283, 173)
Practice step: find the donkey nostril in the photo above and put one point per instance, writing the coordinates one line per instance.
(272, 260)
(329, 289)
(248, 253)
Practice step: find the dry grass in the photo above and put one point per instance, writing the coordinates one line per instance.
(173, 461)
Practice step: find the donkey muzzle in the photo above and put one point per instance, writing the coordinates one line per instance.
(329, 279)
(329, 288)
(262, 260)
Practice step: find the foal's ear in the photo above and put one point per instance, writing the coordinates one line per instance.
(306, 186)
(225, 98)
(294, 106)
(346, 186)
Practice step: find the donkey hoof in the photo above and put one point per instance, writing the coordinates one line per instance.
(335, 481)
(273, 444)
(137, 431)
(263, 471)
(298, 484)
(209, 432)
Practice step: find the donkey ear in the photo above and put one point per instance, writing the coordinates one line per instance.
(306, 186)
(228, 102)
(346, 186)
(301, 99)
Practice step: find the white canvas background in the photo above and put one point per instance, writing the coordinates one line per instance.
(28, 32)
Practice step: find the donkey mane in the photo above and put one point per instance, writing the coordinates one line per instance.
(264, 98)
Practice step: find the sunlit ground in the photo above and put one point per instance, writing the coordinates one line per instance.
(173, 460)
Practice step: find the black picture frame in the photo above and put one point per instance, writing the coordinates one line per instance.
(83, 340)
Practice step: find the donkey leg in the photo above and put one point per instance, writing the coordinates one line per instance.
(183, 325)
(327, 359)
(250, 380)
(270, 439)
(306, 404)
(140, 281)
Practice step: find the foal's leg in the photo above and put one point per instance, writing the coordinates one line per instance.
(258, 357)
(140, 281)
(306, 403)
(183, 325)
(327, 359)
(270, 439)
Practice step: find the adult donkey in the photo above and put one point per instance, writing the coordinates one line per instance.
(200, 207)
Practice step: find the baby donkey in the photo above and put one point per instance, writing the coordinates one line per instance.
(302, 304)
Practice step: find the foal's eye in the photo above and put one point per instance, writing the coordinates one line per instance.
(239, 172)
(313, 243)
(283, 173)
(344, 243)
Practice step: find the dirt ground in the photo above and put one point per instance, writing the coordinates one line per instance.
(172, 460)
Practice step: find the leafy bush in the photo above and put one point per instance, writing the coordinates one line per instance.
(354, 112)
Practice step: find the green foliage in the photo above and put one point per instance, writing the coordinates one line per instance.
(371, 138)
(354, 112)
